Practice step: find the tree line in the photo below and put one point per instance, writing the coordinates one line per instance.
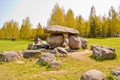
(95, 26)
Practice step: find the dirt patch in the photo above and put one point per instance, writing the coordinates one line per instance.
(80, 55)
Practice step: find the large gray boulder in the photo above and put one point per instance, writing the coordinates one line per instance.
(8, 56)
(93, 75)
(61, 51)
(55, 41)
(47, 58)
(74, 41)
(31, 53)
(56, 29)
(103, 52)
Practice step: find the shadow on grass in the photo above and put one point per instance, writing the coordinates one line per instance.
(101, 59)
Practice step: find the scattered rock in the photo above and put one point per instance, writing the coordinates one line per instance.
(47, 58)
(54, 64)
(8, 56)
(38, 41)
(103, 52)
(56, 29)
(61, 51)
(55, 41)
(116, 73)
(93, 75)
(31, 53)
(84, 43)
(38, 45)
(74, 41)
(32, 47)
(20, 62)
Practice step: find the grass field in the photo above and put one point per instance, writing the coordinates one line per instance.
(71, 68)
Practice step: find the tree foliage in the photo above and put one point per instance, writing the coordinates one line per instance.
(95, 26)
(57, 17)
(25, 31)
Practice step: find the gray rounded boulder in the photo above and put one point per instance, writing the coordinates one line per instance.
(8, 56)
(93, 75)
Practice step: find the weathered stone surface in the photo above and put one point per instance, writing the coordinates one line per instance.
(32, 47)
(55, 41)
(7, 56)
(38, 41)
(47, 58)
(54, 64)
(74, 42)
(103, 52)
(116, 73)
(38, 45)
(93, 75)
(56, 29)
(30, 53)
(61, 51)
(84, 43)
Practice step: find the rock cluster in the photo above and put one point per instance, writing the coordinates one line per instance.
(60, 51)
(103, 52)
(38, 44)
(50, 60)
(56, 39)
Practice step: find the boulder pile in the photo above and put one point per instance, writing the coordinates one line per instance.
(103, 52)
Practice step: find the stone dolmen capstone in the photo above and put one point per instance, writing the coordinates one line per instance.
(103, 52)
(56, 29)
(93, 75)
(8, 56)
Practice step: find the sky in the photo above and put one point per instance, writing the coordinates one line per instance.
(40, 10)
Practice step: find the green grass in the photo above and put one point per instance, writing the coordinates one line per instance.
(13, 45)
(71, 68)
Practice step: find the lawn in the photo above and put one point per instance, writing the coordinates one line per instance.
(71, 68)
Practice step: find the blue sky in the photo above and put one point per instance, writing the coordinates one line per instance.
(40, 10)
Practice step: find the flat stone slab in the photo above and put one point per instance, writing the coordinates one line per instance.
(56, 29)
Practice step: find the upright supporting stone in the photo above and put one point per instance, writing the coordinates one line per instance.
(55, 40)
(74, 41)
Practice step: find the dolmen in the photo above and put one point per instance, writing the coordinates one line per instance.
(57, 39)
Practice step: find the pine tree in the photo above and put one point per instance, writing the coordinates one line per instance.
(15, 30)
(94, 24)
(57, 17)
(25, 31)
(70, 20)
(40, 30)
